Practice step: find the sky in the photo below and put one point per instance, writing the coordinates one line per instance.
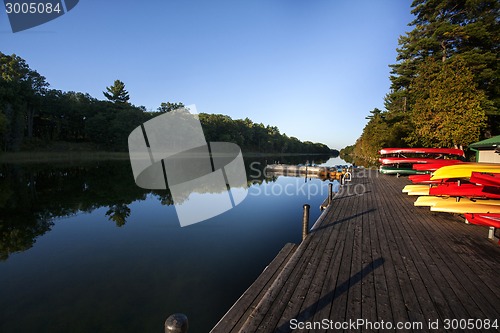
(315, 69)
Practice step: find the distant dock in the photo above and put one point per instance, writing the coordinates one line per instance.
(314, 171)
(373, 256)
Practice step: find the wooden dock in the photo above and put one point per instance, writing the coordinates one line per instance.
(373, 256)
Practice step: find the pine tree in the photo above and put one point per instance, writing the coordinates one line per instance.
(443, 29)
(117, 93)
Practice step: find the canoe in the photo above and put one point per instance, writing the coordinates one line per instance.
(412, 188)
(431, 200)
(425, 179)
(434, 166)
(420, 178)
(487, 179)
(415, 160)
(464, 190)
(488, 220)
(392, 170)
(418, 191)
(463, 207)
(464, 170)
(447, 151)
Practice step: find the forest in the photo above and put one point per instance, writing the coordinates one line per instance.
(32, 116)
(445, 84)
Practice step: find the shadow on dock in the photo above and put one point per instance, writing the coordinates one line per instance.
(345, 219)
(308, 313)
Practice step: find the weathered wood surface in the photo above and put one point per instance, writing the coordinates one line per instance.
(374, 256)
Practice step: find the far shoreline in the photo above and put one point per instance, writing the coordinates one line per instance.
(69, 156)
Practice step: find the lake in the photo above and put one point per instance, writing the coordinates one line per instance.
(83, 249)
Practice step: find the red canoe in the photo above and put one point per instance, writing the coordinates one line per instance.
(489, 220)
(446, 151)
(420, 178)
(465, 190)
(415, 160)
(424, 179)
(487, 179)
(433, 166)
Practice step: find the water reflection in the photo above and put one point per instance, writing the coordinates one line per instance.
(87, 275)
(32, 196)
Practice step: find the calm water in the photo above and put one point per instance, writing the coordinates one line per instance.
(83, 249)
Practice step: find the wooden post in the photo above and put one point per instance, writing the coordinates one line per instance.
(492, 236)
(305, 221)
(176, 323)
(330, 193)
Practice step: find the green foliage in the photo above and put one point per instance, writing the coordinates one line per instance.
(167, 107)
(346, 153)
(443, 29)
(3, 125)
(21, 92)
(29, 109)
(257, 137)
(117, 93)
(382, 130)
(445, 87)
(448, 107)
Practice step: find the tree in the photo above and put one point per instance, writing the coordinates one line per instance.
(21, 92)
(118, 213)
(445, 87)
(442, 29)
(449, 109)
(117, 93)
(167, 107)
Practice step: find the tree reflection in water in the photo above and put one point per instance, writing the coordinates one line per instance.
(33, 195)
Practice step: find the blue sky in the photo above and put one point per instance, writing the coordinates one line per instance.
(313, 68)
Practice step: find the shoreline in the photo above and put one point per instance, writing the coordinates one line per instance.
(68, 156)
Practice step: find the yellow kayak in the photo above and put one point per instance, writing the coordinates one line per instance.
(464, 170)
(431, 200)
(422, 192)
(463, 207)
(412, 188)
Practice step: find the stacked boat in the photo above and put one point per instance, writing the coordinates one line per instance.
(402, 161)
(470, 189)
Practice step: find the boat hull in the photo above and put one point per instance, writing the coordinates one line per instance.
(487, 179)
(488, 220)
(416, 189)
(465, 190)
(447, 151)
(434, 166)
(432, 200)
(415, 160)
(465, 207)
(464, 170)
(392, 170)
